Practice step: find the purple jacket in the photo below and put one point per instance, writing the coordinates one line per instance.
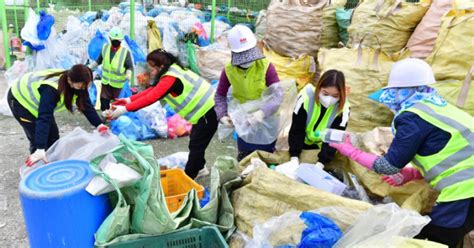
(223, 87)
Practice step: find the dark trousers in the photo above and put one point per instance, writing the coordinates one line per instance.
(449, 236)
(201, 135)
(28, 123)
(245, 149)
(107, 94)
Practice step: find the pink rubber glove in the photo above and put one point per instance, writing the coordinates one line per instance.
(405, 175)
(347, 149)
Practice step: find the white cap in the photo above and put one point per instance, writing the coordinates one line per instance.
(241, 38)
(410, 72)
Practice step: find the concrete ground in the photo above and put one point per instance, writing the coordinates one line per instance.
(14, 151)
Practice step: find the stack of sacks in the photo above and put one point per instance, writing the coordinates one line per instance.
(423, 39)
(387, 24)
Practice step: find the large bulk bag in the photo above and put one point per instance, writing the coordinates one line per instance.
(294, 27)
(453, 53)
(459, 93)
(423, 39)
(211, 60)
(301, 69)
(366, 70)
(391, 21)
(329, 36)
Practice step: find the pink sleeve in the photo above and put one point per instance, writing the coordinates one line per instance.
(143, 93)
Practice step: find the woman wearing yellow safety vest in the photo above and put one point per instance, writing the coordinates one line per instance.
(117, 67)
(191, 96)
(438, 138)
(250, 74)
(318, 108)
(35, 97)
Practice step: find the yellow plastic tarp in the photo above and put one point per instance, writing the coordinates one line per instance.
(388, 22)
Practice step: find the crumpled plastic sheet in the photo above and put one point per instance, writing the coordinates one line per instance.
(220, 28)
(260, 133)
(381, 226)
(175, 160)
(53, 56)
(18, 69)
(154, 116)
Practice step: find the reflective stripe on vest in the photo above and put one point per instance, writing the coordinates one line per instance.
(189, 109)
(312, 117)
(452, 160)
(26, 83)
(113, 71)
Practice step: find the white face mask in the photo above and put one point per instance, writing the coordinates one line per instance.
(246, 65)
(327, 101)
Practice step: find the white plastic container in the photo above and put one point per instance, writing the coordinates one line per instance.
(330, 135)
(320, 179)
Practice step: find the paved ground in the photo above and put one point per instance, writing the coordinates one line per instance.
(14, 150)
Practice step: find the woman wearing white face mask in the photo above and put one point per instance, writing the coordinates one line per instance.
(319, 108)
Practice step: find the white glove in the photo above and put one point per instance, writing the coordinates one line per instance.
(289, 168)
(93, 65)
(256, 117)
(227, 121)
(320, 165)
(118, 111)
(38, 155)
(128, 75)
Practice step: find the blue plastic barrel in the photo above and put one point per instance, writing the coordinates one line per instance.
(58, 211)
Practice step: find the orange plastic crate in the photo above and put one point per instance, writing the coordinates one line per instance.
(176, 185)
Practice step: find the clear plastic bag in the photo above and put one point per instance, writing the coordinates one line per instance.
(154, 116)
(296, 229)
(382, 225)
(262, 133)
(86, 146)
(18, 69)
(122, 174)
(170, 35)
(175, 160)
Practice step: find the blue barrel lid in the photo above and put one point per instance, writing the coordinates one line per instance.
(57, 179)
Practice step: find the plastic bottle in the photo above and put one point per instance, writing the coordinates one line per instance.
(330, 135)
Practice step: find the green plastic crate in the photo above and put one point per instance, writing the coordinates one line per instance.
(206, 237)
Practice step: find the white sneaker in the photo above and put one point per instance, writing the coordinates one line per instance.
(203, 172)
